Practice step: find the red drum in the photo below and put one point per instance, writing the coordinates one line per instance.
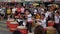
(23, 29)
(13, 26)
(7, 23)
(50, 23)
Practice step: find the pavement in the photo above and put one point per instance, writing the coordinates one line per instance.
(3, 28)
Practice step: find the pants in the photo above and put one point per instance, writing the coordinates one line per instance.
(29, 25)
(57, 26)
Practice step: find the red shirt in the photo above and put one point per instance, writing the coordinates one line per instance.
(19, 10)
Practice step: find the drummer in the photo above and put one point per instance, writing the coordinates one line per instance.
(20, 19)
(29, 20)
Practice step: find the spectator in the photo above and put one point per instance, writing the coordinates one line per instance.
(57, 21)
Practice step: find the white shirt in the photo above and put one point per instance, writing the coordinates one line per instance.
(2, 11)
(29, 17)
(35, 11)
(43, 23)
(13, 10)
(56, 19)
(19, 20)
(47, 14)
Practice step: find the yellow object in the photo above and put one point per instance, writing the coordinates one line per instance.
(35, 4)
(8, 11)
(38, 16)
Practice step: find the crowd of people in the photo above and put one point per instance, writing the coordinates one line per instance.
(33, 15)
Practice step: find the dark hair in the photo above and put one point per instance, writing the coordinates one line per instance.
(17, 32)
(27, 10)
(57, 12)
(39, 30)
(43, 15)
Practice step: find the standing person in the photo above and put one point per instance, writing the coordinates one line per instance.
(2, 13)
(8, 12)
(22, 10)
(18, 9)
(50, 13)
(13, 11)
(43, 21)
(29, 20)
(57, 21)
(31, 8)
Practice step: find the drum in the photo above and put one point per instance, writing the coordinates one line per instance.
(8, 22)
(51, 30)
(50, 23)
(13, 26)
(23, 29)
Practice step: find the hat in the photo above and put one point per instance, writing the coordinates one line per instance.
(50, 5)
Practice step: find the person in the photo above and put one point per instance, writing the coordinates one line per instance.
(57, 21)
(20, 20)
(39, 30)
(43, 21)
(8, 12)
(18, 9)
(29, 20)
(13, 11)
(2, 13)
(38, 16)
(22, 10)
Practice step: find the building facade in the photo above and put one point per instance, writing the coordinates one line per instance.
(25, 0)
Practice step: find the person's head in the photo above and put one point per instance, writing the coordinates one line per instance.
(39, 30)
(51, 8)
(42, 16)
(27, 11)
(58, 10)
(57, 14)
